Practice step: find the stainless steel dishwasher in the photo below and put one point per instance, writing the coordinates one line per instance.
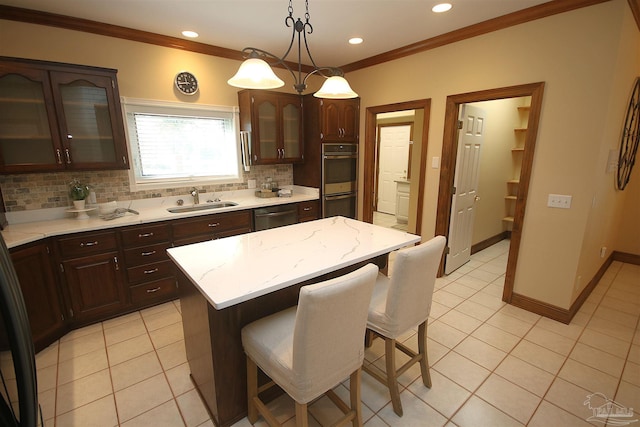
(275, 216)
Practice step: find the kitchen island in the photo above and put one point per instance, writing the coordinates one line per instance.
(227, 283)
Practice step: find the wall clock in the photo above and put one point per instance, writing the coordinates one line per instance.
(630, 138)
(186, 83)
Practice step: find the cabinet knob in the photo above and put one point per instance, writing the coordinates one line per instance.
(59, 155)
(150, 291)
(68, 155)
(142, 235)
(82, 245)
(215, 224)
(148, 253)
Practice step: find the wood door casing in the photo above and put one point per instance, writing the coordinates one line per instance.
(368, 195)
(448, 165)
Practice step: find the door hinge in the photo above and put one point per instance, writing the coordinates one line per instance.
(48, 251)
(113, 84)
(447, 250)
(71, 312)
(61, 268)
(459, 124)
(453, 190)
(62, 317)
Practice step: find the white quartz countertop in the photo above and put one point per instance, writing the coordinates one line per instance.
(56, 222)
(239, 268)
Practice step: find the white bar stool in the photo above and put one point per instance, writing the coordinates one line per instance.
(310, 348)
(402, 302)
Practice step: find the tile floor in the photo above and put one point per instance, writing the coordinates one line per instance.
(491, 364)
(387, 220)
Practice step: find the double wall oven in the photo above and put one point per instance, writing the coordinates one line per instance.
(339, 179)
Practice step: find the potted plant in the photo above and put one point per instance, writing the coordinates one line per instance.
(78, 193)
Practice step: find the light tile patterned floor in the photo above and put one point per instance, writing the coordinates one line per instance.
(492, 364)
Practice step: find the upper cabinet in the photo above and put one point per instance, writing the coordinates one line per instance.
(59, 116)
(274, 121)
(339, 119)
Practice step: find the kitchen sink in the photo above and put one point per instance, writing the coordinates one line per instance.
(194, 208)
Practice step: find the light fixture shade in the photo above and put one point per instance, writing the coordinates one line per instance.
(255, 73)
(336, 87)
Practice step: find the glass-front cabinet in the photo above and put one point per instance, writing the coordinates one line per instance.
(58, 116)
(274, 120)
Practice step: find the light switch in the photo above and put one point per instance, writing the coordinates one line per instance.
(435, 162)
(559, 201)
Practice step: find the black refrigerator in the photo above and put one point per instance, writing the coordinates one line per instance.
(18, 386)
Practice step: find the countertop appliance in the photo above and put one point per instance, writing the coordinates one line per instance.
(275, 216)
(339, 180)
(19, 405)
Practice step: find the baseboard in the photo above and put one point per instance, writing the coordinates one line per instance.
(490, 241)
(564, 315)
(626, 257)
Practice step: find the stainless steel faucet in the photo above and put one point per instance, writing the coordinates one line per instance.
(196, 196)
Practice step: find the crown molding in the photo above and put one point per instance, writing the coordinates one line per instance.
(505, 21)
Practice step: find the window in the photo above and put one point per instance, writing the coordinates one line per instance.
(177, 145)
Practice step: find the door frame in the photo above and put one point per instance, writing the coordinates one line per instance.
(449, 150)
(370, 150)
(378, 144)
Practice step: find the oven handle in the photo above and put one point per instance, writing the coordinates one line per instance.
(332, 156)
(339, 197)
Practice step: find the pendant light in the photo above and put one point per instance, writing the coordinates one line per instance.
(256, 73)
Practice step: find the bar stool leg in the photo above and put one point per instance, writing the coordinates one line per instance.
(302, 419)
(354, 387)
(392, 379)
(252, 390)
(422, 349)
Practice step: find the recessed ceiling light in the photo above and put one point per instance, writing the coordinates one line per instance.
(442, 7)
(355, 40)
(190, 34)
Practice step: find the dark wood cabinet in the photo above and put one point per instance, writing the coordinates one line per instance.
(308, 211)
(274, 121)
(40, 291)
(150, 272)
(325, 120)
(91, 269)
(200, 229)
(59, 117)
(339, 119)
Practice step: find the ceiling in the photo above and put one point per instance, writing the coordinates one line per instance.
(234, 24)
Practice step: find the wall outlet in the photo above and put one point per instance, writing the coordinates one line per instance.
(603, 251)
(559, 201)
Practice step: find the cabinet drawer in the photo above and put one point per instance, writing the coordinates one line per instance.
(71, 247)
(160, 289)
(149, 272)
(212, 224)
(141, 236)
(308, 210)
(146, 254)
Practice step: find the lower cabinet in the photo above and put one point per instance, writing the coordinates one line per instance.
(82, 278)
(40, 291)
(90, 266)
(217, 226)
(150, 272)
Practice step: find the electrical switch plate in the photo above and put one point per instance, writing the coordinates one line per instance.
(435, 162)
(559, 201)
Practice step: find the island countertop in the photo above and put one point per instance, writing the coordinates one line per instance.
(239, 268)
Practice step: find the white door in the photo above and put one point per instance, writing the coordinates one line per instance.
(470, 139)
(393, 164)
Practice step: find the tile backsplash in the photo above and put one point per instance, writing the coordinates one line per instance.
(51, 190)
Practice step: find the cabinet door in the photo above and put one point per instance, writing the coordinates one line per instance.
(90, 122)
(340, 120)
(95, 286)
(40, 292)
(350, 120)
(29, 139)
(291, 128)
(266, 144)
(331, 123)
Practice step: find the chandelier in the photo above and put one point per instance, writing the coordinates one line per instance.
(256, 73)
